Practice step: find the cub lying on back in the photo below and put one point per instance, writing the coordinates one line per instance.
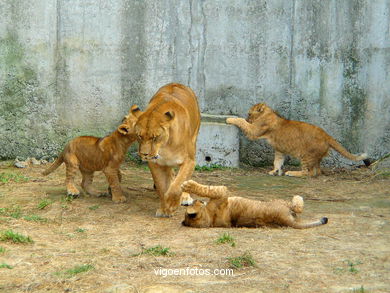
(224, 211)
(304, 141)
(89, 154)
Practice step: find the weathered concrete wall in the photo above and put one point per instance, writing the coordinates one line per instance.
(72, 67)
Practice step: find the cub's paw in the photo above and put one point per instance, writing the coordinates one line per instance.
(161, 214)
(119, 199)
(189, 186)
(186, 199)
(73, 193)
(230, 120)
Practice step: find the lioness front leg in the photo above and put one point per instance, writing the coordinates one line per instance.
(113, 182)
(213, 192)
(171, 200)
(251, 131)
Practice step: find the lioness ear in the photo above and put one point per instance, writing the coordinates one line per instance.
(123, 129)
(169, 115)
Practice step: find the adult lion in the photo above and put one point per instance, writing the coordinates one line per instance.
(167, 132)
(305, 141)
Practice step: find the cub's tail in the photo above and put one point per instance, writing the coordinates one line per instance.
(320, 222)
(55, 165)
(297, 204)
(339, 148)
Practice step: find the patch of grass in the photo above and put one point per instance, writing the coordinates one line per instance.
(210, 167)
(359, 290)
(350, 267)
(75, 270)
(80, 230)
(245, 260)
(34, 218)
(94, 208)
(5, 266)
(14, 237)
(13, 212)
(12, 177)
(44, 203)
(133, 158)
(156, 251)
(226, 238)
(2, 249)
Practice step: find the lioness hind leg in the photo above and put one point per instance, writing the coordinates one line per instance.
(71, 163)
(278, 164)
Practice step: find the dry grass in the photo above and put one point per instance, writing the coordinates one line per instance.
(93, 245)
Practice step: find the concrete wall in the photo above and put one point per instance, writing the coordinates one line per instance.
(72, 67)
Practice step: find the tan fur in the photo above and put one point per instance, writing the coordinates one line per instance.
(89, 154)
(167, 133)
(304, 141)
(225, 211)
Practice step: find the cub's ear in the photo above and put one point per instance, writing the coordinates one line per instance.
(261, 107)
(135, 110)
(124, 129)
(170, 115)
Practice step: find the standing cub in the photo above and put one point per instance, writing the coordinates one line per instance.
(89, 154)
(224, 211)
(304, 141)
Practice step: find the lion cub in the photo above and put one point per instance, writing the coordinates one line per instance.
(90, 154)
(304, 141)
(224, 211)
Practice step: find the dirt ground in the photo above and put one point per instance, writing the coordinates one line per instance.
(349, 254)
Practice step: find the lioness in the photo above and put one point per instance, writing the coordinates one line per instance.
(167, 132)
(224, 211)
(302, 140)
(89, 154)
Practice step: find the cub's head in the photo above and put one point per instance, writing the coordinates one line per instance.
(152, 131)
(196, 215)
(258, 111)
(128, 123)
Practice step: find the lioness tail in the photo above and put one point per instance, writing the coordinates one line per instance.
(339, 148)
(55, 165)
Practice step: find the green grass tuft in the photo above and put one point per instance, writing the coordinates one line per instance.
(34, 218)
(245, 260)
(12, 177)
(5, 266)
(44, 203)
(93, 208)
(80, 230)
(226, 238)
(13, 212)
(2, 249)
(157, 251)
(14, 237)
(75, 270)
(211, 167)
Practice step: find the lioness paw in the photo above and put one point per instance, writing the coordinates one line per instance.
(230, 120)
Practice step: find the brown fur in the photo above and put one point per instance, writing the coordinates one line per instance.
(89, 154)
(304, 141)
(167, 133)
(224, 211)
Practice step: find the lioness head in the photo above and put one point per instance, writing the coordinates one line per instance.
(152, 131)
(257, 111)
(196, 215)
(128, 123)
